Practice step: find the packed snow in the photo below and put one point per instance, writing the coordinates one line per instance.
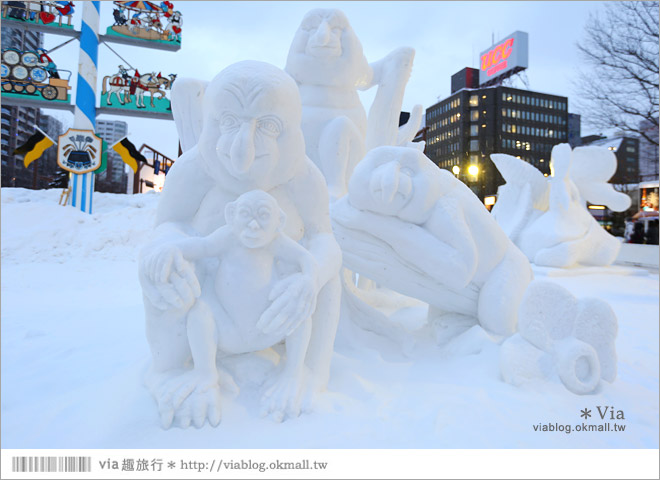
(74, 354)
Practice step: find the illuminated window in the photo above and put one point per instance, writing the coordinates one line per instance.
(504, 112)
(513, 129)
(474, 100)
(474, 130)
(474, 145)
(474, 115)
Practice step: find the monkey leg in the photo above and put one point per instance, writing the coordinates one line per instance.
(284, 397)
(324, 329)
(341, 147)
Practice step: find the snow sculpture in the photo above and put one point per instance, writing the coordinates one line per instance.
(416, 229)
(327, 63)
(559, 334)
(250, 140)
(548, 219)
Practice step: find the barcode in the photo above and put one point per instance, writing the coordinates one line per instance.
(51, 464)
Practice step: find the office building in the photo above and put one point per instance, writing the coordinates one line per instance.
(470, 124)
(648, 152)
(626, 150)
(114, 179)
(18, 122)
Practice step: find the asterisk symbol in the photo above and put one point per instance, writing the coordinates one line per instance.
(586, 413)
(171, 465)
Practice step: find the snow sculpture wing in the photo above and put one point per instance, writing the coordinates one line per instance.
(187, 108)
(522, 198)
(391, 74)
(591, 168)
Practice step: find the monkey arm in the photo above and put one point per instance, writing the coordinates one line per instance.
(416, 245)
(218, 242)
(293, 252)
(318, 237)
(391, 74)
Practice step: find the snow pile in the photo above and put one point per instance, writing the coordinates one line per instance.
(74, 353)
(50, 232)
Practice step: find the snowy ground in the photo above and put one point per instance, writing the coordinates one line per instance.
(74, 351)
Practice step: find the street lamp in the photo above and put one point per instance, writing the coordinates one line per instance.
(456, 170)
(473, 170)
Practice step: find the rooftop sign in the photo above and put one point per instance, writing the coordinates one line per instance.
(504, 58)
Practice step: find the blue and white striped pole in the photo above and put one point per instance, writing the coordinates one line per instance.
(82, 186)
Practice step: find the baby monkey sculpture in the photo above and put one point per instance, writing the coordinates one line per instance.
(251, 248)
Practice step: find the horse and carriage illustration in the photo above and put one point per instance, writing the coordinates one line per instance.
(147, 21)
(33, 73)
(126, 87)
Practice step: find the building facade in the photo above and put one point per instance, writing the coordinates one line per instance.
(465, 128)
(114, 179)
(648, 152)
(626, 150)
(18, 122)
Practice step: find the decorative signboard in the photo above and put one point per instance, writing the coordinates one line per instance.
(35, 74)
(125, 90)
(79, 151)
(55, 14)
(147, 21)
(504, 58)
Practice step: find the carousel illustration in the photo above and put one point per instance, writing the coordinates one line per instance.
(147, 21)
(53, 13)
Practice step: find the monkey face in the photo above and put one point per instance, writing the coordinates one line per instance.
(251, 131)
(255, 218)
(397, 181)
(325, 51)
(321, 31)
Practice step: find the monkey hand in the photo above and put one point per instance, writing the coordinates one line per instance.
(168, 280)
(293, 300)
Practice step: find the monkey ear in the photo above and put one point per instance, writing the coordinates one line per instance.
(280, 227)
(230, 212)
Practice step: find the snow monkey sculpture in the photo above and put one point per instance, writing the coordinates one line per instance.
(547, 218)
(250, 140)
(416, 229)
(327, 63)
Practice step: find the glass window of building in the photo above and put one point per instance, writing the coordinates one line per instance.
(474, 145)
(474, 130)
(474, 100)
(474, 115)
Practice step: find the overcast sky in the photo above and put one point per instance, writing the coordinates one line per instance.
(447, 37)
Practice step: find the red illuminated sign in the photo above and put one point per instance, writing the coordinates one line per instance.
(494, 60)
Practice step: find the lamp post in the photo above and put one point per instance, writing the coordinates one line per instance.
(456, 170)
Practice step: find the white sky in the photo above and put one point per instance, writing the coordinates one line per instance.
(447, 37)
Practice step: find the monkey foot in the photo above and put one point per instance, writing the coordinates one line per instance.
(191, 397)
(283, 399)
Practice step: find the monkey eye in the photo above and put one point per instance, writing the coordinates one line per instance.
(269, 125)
(264, 214)
(244, 213)
(228, 121)
(311, 23)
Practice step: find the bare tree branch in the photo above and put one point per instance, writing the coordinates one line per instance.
(621, 49)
